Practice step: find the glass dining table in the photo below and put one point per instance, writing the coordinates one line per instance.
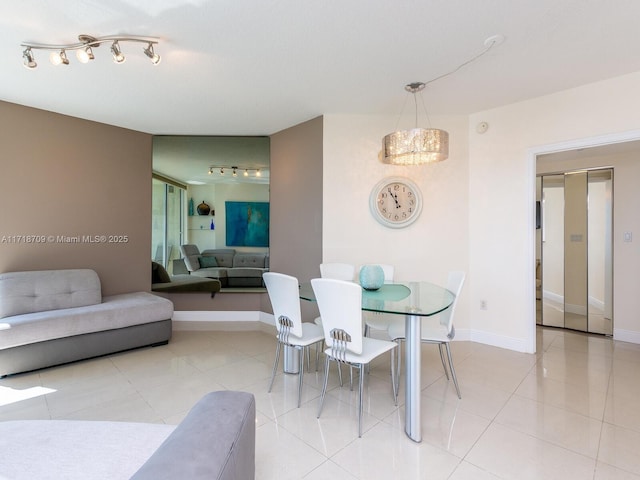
(414, 301)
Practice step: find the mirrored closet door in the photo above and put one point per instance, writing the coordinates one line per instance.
(575, 250)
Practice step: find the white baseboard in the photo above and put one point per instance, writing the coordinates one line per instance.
(223, 320)
(222, 316)
(630, 336)
(488, 338)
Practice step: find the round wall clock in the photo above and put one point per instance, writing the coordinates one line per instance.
(395, 202)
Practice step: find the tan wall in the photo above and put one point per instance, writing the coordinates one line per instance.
(67, 177)
(296, 203)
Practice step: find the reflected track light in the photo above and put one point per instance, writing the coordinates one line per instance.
(246, 171)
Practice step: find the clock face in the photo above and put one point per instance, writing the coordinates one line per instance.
(395, 202)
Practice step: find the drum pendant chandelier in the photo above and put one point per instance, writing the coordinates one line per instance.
(418, 145)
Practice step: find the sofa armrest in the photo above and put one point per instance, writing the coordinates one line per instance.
(216, 440)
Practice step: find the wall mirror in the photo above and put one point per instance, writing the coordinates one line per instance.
(210, 172)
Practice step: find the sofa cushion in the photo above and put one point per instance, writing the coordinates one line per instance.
(224, 256)
(77, 450)
(39, 291)
(116, 311)
(206, 262)
(249, 260)
(159, 274)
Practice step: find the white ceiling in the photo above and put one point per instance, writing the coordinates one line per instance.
(255, 67)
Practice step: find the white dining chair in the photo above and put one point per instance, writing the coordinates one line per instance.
(292, 331)
(436, 330)
(340, 305)
(337, 271)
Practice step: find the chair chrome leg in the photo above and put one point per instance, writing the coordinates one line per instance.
(324, 384)
(339, 365)
(301, 372)
(350, 378)
(444, 365)
(453, 372)
(319, 346)
(360, 399)
(275, 366)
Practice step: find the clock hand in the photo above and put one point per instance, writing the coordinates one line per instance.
(394, 196)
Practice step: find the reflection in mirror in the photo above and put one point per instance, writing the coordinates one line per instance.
(552, 248)
(600, 228)
(221, 174)
(575, 251)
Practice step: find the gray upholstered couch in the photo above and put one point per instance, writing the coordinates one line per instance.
(216, 440)
(51, 317)
(231, 268)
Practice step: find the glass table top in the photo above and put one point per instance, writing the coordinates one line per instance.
(414, 298)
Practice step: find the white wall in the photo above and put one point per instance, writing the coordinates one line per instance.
(502, 193)
(426, 250)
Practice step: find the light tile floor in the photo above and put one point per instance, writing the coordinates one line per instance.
(571, 411)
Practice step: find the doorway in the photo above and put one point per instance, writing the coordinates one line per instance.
(574, 250)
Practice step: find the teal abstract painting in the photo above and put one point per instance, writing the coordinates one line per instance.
(247, 224)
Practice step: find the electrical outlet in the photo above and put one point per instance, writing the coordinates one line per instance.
(483, 304)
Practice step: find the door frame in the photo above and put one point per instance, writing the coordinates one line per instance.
(533, 152)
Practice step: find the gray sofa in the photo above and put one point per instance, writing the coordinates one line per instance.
(51, 317)
(231, 268)
(216, 440)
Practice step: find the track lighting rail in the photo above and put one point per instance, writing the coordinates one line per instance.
(84, 49)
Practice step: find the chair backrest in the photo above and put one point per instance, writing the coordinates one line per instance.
(338, 271)
(388, 270)
(455, 281)
(284, 295)
(340, 305)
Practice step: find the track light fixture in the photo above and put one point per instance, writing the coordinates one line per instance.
(28, 58)
(118, 56)
(59, 58)
(84, 49)
(155, 58)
